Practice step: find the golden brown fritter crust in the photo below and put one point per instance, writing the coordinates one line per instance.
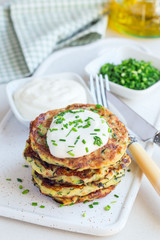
(62, 174)
(103, 157)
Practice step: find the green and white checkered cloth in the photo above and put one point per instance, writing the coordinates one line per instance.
(30, 30)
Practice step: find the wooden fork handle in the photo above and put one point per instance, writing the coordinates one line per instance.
(147, 165)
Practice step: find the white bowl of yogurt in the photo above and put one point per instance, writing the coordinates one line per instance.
(29, 97)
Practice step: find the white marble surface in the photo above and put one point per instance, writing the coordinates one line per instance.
(144, 220)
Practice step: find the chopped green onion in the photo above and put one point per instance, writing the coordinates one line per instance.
(71, 204)
(104, 134)
(131, 73)
(93, 133)
(77, 116)
(98, 106)
(42, 206)
(107, 208)
(116, 195)
(40, 126)
(19, 180)
(20, 187)
(25, 191)
(90, 206)
(109, 130)
(62, 140)
(61, 205)
(95, 203)
(55, 144)
(26, 166)
(53, 129)
(70, 153)
(84, 214)
(83, 141)
(113, 201)
(86, 201)
(128, 170)
(8, 179)
(87, 149)
(76, 140)
(97, 141)
(71, 146)
(65, 125)
(34, 204)
(40, 133)
(97, 130)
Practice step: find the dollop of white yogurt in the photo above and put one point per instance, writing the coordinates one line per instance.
(77, 133)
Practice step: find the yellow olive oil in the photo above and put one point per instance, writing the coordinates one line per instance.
(136, 17)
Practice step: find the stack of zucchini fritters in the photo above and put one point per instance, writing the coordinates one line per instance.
(73, 180)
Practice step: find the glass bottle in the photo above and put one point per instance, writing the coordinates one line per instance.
(136, 17)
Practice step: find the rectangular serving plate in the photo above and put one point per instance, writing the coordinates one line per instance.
(16, 205)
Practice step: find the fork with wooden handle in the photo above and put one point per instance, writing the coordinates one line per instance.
(99, 88)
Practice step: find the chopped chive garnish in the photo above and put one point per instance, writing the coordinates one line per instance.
(40, 133)
(89, 118)
(97, 130)
(87, 125)
(42, 206)
(107, 208)
(93, 133)
(87, 149)
(90, 206)
(19, 180)
(61, 205)
(113, 201)
(109, 130)
(71, 204)
(76, 140)
(8, 179)
(116, 195)
(34, 204)
(25, 166)
(94, 110)
(84, 214)
(128, 170)
(62, 140)
(71, 146)
(55, 144)
(77, 116)
(65, 125)
(98, 106)
(70, 153)
(85, 201)
(95, 203)
(114, 135)
(74, 129)
(59, 120)
(40, 126)
(25, 191)
(53, 129)
(62, 128)
(83, 141)
(97, 141)
(20, 187)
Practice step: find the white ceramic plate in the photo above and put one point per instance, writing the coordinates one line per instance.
(14, 85)
(116, 56)
(13, 135)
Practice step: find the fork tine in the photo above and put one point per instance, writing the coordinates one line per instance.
(92, 88)
(104, 99)
(99, 99)
(107, 83)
